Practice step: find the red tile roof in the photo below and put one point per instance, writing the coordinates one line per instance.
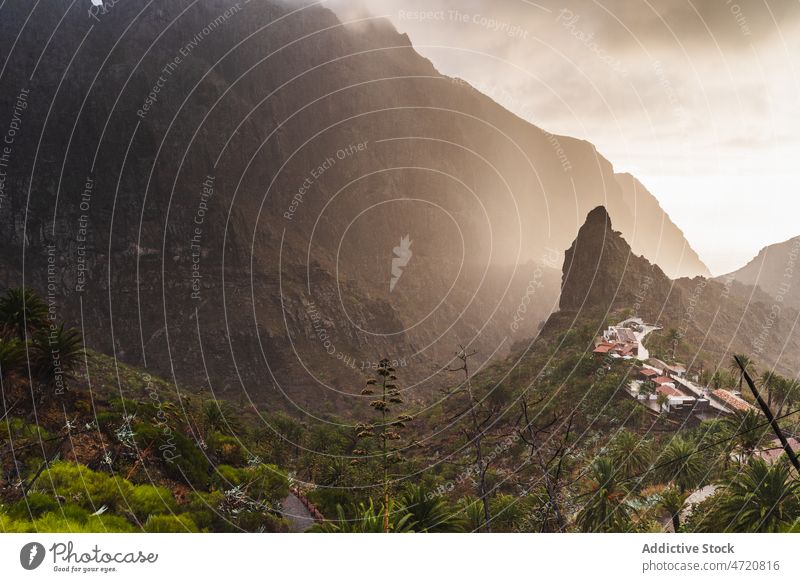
(670, 391)
(733, 401)
(648, 372)
(775, 449)
(663, 380)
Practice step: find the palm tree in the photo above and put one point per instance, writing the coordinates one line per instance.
(748, 364)
(671, 501)
(607, 509)
(758, 498)
(771, 383)
(662, 400)
(630, 453)
(680, 464)
(22, 312)
(12, 357)
(56, 354)
(787, 391)
(430, 513)
(747, 428)
(792, 389)
(219, 416)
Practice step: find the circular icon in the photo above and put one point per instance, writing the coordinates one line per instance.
(31, 555)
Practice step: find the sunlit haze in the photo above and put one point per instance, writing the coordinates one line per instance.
(696, 99)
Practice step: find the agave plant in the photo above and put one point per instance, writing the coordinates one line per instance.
(430, 513)
(366, 519)
(55, 355)
(386, 430)
(22, 313)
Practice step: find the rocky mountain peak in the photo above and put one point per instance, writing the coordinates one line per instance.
(600, 270)
(598, 217)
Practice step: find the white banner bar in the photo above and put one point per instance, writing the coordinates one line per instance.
(343, 557)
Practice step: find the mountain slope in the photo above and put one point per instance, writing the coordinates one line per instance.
(217, 190)
(773, 270)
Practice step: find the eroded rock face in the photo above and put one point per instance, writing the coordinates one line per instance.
(601, 271)
(220, 201)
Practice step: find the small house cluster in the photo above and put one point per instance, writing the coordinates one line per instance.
(680, 396)
(660, 386)
(623, 341)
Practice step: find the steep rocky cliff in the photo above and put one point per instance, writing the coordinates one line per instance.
(217, 190)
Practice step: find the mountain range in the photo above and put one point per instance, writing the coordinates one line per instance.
(217, 191)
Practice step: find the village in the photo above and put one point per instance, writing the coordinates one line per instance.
(664, 388)
(667, 390)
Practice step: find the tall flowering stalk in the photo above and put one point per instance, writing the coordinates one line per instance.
(388, 429)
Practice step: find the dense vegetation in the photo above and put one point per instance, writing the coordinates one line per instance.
(547, 441)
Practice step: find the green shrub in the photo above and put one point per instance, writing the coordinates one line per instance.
(146, 500)
(37, 504)
(183, 459)
(227, 448)
(252, 521)
(109, 524)
(202, 508)
(55, 522)
(506, 511)
(170, 524)
(267, 483)
(226, 477)
(261, 483)
(85, 487)
(73, 512)
(10, 525)
(108, 420)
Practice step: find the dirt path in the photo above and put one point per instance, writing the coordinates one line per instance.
(297, 514)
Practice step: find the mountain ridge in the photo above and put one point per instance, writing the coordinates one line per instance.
(773, 271)
(485, 198)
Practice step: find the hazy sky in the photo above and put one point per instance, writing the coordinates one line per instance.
(698, 99)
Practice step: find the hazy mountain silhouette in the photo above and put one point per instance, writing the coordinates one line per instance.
(776, 270)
